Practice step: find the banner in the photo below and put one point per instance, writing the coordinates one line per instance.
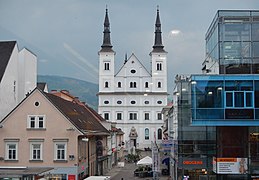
(230, 165)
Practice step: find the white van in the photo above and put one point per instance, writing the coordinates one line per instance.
(98, 178)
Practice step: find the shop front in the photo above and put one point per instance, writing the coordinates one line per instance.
(195, 168)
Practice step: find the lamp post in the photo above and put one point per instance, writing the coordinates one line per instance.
(88, 154)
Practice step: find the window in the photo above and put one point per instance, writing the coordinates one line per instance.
(159, 66)
(119, 102)
(133, 84)
(159, 134)
(159, 84)
(119, 116)
(133, 71)
(106, 84)
(36, 150)
(132, 102)
(133, 116)
(36, 122)
(106, 66)
(146, 102)
(146, 116)
(106, 102)
(146, 134)
(159, 116)
(146, 84)
(60, 150)
(11, 151)
(106, 116)
(119, 84)
(239, 99)
(159, 102)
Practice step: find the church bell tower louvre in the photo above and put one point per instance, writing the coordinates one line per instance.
(133, 97)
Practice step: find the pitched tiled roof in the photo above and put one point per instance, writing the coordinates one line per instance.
(6, 49)
(83, 119)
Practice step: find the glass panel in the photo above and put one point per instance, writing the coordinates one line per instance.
(239, 99)
(237, 32)
(236, 50)
(234, 13)
(256, 49)
(255, 32)
(229, 99)
(209, 94)
(249, 99)
(210, 114)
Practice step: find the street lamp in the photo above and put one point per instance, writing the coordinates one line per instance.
(88, 154)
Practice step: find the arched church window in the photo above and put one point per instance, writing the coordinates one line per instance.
(146, 84)
(159, 66)
(146, 134)
(159, 134)
(133, 84)
(159, 84)
(106, 84)
(106, 66)
(119, 84)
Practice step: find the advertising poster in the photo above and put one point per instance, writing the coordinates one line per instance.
(230, 165)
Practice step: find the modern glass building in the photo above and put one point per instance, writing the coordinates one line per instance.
(218, 111)
(229, 103)
(232, 43)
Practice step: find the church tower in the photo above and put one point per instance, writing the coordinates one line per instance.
(106, 59)
(158, 60)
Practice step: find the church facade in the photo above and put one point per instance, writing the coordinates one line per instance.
(134, 96)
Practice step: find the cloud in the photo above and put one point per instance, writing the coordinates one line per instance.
(81, 58)
(175, 32)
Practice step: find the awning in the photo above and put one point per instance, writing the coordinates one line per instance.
(18, 172)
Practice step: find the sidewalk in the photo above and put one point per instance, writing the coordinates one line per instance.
(127, 172)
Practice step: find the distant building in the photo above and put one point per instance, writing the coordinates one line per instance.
(133, 97)
(18, 75)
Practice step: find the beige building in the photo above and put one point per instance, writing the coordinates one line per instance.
(49, 136)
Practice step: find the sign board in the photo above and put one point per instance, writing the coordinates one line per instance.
(230, 165)
(167, 145)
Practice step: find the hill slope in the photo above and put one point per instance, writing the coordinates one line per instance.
(86, 91)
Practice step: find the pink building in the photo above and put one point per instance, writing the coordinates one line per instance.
(51, 137)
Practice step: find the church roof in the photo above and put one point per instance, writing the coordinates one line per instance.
(106, 46)
(128, 61)
(6, 49)
(158, 45)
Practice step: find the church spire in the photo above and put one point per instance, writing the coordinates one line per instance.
(106, 46)
(158, 46)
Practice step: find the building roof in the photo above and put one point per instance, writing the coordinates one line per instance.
(41, 85)
(106, 46)
(22, 171)
(79, 115)
(6, 49)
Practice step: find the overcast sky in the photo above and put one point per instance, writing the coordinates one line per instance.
(66, 35)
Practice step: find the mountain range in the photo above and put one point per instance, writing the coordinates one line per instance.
(85, 91)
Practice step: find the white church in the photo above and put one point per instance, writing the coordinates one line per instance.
(134, 96)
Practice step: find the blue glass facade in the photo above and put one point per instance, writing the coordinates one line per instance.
(225, 100)
(232, 42)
